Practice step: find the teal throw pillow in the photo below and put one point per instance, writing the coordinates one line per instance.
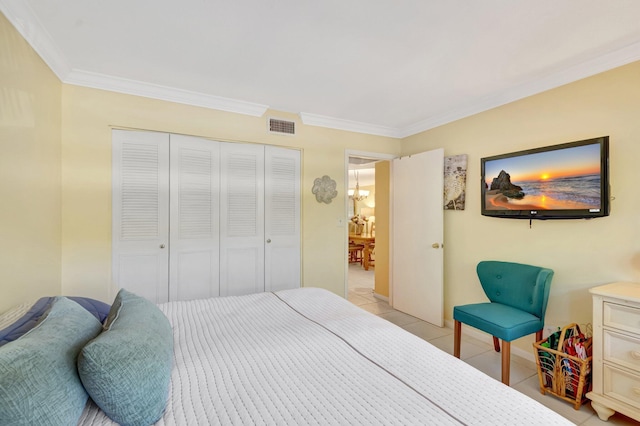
(39, 383)
(127, 368)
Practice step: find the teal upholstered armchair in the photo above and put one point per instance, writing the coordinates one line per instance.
(518, 297)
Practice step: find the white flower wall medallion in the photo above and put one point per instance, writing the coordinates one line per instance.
(325, 189)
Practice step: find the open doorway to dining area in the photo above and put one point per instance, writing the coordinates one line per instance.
(367, 234)
(361, 222)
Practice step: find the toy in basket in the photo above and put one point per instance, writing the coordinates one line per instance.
(564, 364)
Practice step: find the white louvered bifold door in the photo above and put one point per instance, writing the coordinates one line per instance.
(282, 219)
(241, 219)
(194, 218)
(140, 166)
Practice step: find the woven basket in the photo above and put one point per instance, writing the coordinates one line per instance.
(563, 375)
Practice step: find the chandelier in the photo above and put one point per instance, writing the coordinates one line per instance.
(357, 194)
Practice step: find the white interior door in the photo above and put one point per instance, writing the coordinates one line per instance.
(194, 243)
(241, 219)
(282, 219)
(417, 236)
(140, 222)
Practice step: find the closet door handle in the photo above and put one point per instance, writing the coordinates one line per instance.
(268, 240)
(162, 246)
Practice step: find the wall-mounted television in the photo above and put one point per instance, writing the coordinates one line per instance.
(566, 181)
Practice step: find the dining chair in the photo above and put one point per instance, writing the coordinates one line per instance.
(355, 252)
(518, 296)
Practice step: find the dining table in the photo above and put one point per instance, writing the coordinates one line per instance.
(368, 240)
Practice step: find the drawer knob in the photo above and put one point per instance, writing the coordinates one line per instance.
(635, 354)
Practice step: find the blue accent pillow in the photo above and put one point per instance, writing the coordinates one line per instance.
(39, 382)
(127, 368)
(98, 309)
(26, 322)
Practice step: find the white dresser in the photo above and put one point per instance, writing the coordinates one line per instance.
(616, 350)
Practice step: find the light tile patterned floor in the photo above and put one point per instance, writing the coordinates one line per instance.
(481, 355)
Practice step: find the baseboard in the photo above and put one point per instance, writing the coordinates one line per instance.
(487, 338)
(381, 297)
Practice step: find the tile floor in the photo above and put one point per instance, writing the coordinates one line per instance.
(481, 355)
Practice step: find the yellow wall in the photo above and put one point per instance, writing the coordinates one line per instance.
(88, 117)
(583, 253)
(382, 256)
(29, 172)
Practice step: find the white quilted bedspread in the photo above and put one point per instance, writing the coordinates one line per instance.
(307, 356)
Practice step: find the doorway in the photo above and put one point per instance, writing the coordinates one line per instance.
(361, 224)
(362, 199)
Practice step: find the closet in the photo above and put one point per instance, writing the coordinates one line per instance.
(195, 218)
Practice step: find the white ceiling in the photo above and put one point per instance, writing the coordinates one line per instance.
(391, 68)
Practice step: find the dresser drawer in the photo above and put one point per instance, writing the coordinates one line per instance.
(622, 350)
(621, 317)
(621, 385)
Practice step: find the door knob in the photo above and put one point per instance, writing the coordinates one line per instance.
(162, 245)
(268, 240)
(435, 245)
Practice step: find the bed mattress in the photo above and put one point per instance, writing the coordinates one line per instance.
(307, 356)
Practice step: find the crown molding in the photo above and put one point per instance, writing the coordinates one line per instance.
(164, 93)
(588, 68)
(27, 24)
(351, 126)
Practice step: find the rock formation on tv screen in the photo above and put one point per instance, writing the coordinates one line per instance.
(503, 184)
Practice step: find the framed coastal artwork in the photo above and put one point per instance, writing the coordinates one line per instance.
(455, 180)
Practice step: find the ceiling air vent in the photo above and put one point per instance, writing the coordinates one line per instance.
(282, 126)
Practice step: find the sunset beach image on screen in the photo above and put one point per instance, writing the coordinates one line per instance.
(561, 179)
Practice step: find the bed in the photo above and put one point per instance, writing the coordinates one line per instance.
(307, 356)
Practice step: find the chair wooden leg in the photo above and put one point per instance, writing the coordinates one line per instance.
(506, 359)
(457, 329)
(496, 344)
(538, 335)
